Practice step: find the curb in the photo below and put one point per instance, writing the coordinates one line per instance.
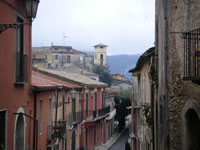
(115, 139)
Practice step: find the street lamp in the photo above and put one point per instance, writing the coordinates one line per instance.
(31, 8)
(31, 11)
(73, 93)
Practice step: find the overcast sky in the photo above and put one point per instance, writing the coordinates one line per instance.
(126, 26)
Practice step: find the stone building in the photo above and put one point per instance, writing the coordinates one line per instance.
(176, 86)
(56, 57)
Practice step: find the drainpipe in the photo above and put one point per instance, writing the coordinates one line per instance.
(152, 112)
(166, 121)
(35, 122)
(57, 93)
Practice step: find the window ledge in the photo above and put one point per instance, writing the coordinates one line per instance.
(19, 83)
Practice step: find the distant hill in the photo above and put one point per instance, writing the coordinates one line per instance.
(122, 63)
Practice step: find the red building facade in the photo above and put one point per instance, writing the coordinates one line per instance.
(15, 76)
(93, 129)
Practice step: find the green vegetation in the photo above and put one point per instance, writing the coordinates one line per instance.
(104, 74)
(147, 113)
(122, 101)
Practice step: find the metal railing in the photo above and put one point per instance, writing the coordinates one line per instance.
(191, 55)
(75, 118)
(57, 131)
(105, 110)
(92, 114)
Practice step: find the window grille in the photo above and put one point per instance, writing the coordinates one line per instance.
(192, 55)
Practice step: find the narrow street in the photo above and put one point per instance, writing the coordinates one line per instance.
(120, 143)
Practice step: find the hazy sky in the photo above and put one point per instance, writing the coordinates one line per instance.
(126, 26)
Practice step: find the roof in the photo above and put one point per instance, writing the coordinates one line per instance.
(36, 50)
(70, 68)
(110, 91)
(75, 78)
(119, 75)
(143, 58)
(100, 45)
(78, 52)
(62, 47)
(40, 80)
(122, 81)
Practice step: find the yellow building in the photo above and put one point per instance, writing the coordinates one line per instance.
(119, 77)
(141, 102)
(41, 57)
(100, 54)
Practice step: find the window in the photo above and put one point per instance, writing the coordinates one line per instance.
(68, 59)
(81, 58)
(95, 134)
(74, 109)
(2, 129)
(101, 59)
(101, 56)
(56, 57)
(63, 109)
(50, 117)
(45, 57)
(86, 138)
(102, 97)
(95, 100)
(41, 116)
(19, 53)
(86, 110)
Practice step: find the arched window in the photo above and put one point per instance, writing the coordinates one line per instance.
(101, 56)
(19, 133)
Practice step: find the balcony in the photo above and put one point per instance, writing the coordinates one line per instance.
(96, 114)
(192, 56)
(104, 111)
(90, 115)
(57, 131)
(39, 60)
(74, 118)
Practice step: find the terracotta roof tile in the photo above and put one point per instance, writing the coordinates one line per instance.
(39, 79)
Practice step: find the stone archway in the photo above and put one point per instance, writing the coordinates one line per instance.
(191, 118)
(19, 138)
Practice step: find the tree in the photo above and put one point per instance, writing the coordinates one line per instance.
(104, 74)
(122, 100)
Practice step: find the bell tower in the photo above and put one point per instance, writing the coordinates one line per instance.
(100, 54)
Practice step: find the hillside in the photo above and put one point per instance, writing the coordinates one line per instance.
(122, 63)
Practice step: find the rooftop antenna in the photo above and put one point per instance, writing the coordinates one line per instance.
(64, 37)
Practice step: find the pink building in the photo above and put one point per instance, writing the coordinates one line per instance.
(92, 106)
(15, 76)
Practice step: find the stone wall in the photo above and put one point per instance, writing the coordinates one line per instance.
(183, 16)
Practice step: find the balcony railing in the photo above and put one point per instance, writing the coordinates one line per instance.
(39, 60)
(57, 131)
(75, 118)
(92, 114)
(192, 55)
(104, 111)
